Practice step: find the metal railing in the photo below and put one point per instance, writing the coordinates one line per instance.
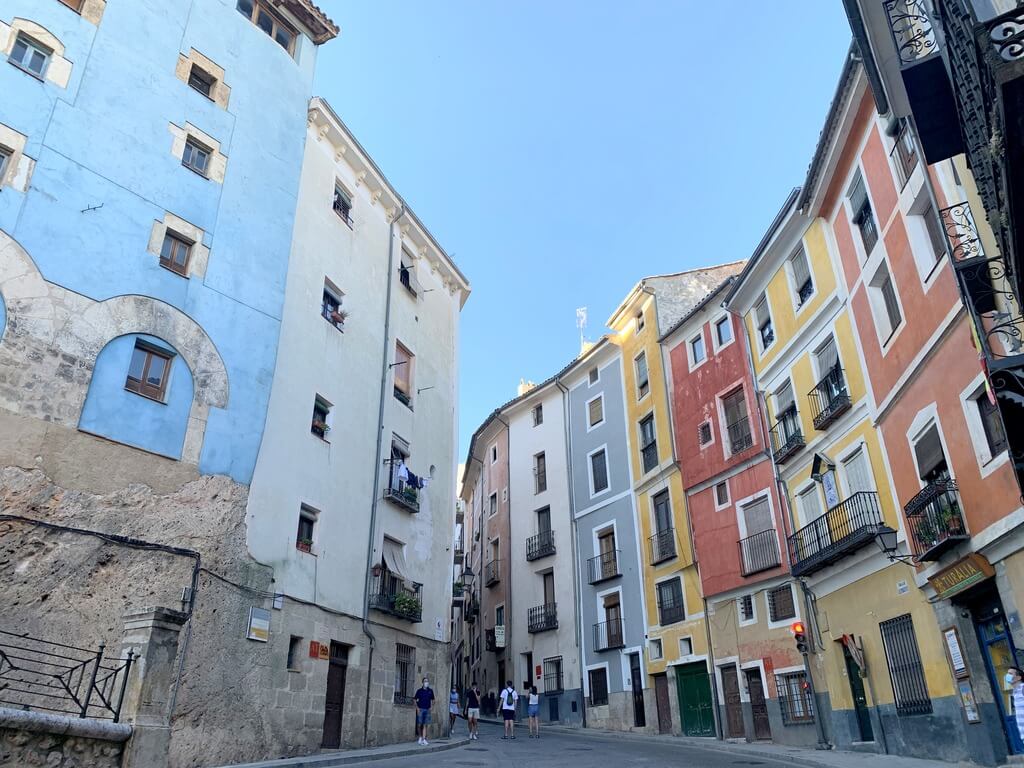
(848, 526)
(406, 279)
(541, 545)
(829, 399)
(663, 546)
(553, 681)
(740, 436)
(401, 493)
(609, 635)
(603, 566)
(786, 436)
(911, 30)
(759, 552)
(542, 617)
(65, 679)
(935, 518)
(670, 611)
(649, 454)
(904, 154)
(343, 208)
(490, 642)
(391, 594)
(492, 572)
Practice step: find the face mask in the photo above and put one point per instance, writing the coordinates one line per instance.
(1010, 678)
(426, 683)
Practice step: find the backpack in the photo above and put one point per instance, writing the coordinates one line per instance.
(507, 702)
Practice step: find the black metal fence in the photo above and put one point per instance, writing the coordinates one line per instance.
(663, 545)
(390, 593)
(829, 398)
(608, 635)
(905, 667)
(492, 572)
(795, 700)
(849, 525)
(542, 617)
(759, 552)
(541, 545)
(786, 436)
(64, 679)
(603, 566)
(935, 519)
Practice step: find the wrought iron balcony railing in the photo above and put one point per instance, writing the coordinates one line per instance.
(492, 572)
(671, 611)
(541, 545)
(740, 436)
(609, 635)
(392, 594)
(786, 436)
(604, 566)
(649, 454)
(490, 642)
(471, 609)
(401, 493)
(935, 518)
(911, 30)
(663, 546)
(848, 526)
(829, 399)
(542, 617)
(759, 552)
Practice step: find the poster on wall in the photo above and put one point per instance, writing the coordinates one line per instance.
(259, 624)
(956, 654)
(967, 699)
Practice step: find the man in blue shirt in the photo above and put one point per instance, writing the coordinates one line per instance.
(424, 700)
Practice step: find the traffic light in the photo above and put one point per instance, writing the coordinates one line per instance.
(800, 636)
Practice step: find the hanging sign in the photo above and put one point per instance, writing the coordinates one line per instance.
(259, 624)
(961, 575)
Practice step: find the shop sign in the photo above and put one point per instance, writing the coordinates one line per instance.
(962, 575)
(499, 636)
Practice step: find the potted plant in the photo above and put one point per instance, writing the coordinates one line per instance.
(407, 605)
(304, 545)
(410, 493)
(321, 426)
(339, 316)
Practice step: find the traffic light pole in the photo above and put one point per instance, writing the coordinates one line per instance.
(822, 741)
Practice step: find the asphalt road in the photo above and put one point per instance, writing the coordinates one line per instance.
(559, 749)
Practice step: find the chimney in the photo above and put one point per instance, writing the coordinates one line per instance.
(524, 387)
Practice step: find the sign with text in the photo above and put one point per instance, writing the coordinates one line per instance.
(259, 624)
(499, 636)
(961, 575)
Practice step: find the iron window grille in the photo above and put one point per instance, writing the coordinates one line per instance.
(553, 675)
(663, 545)
(405, 670)
(905, 668)
(746, 608)
(598, 687)
(342, 205)
(201, 81)
(704, 433)
(670, 602)
(795, 699)
(780, 603)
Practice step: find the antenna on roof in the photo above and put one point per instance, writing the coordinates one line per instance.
(581, 323)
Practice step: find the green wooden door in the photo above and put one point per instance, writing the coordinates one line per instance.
(693, 687)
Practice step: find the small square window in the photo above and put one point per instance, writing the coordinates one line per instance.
(593, 376)
(780, 603)
(201, 81)
(307, 526)
(319, 425)
(30, 56)
(148, 371)
(704, 433)
(639, 321)
(722, 493)
(538, 414)
(685, 646)
(175, 253)
(723, 331)
(746, 607)
(656, 650)
(294, 660)
(196, 157)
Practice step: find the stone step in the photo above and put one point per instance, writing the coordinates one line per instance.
(349, 757)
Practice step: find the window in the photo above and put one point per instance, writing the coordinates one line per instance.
(593, 376)
(307, 525)
(745, 606)
(809, 502)
(175, 253)
(723, 331)
(553, 675)
(722, 493)
(598, 686)
(685, 647)
(74, 5)
(738, 424)
(858, 472)
(30, 56)
(293, 662)
(639, 321)
(321, 412)
(598, 472)
(704, 433)
(992, 424)
(494, 454)
(780, 603)
(5, 157)
(405, 670)
(763, 318)
(670, 601)
(342, 204)
(595, 411)
(826, 357)
(148, 371)
(802, 281)
(330, 306)
(196, 157)
(698, 354)
(905, 668)
(540, 473)
(259, 13)
(648, 443)
(861, 215)
(795, 698)
(406, 269)
(201, 81)
(934, 229)
(403, 374)
(538, 414)
(931, 459)
(499, 616)
(656, 650)
(886, 306)
(642, 380)
(493, 504)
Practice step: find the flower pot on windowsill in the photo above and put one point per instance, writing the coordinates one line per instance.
(339, 316)
(304, 545)
(321, 426)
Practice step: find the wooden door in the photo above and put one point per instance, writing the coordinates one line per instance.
(636, 679)
(549, 588)
(613, 619)
(758, 706)
(661, 697)
(609, 567)
(860, 700)
(693, 687)
(335, 700)
(733, 704)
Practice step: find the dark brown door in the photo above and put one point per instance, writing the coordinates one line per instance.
(636, 678)
(661, 696)
(733, 706)
(758, 707)
(335, 702)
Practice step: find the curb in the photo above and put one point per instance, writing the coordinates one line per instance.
(331, 760)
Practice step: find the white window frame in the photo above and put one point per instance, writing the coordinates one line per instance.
(685, 639)
(753, 609)
(590, 471)
(586, 412)
(858, 240)
(492, 509)
(813, 487)
(711, 431)
(660, 646)
(691, 356)
(846, 455)
(928, 263)
(728, 494)
(728, 320)
(636, 375)
(6, 156)
(741, 504)
(32, 46)
(798, 307)
(797, 614)
(987, 463)
(879, 313)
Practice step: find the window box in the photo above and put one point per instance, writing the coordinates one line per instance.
(304, 545)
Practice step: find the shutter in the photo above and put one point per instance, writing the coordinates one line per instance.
(858, 474)
(784, 399)
(929, 452)
(596, 411)
(858, 195)
(810, 505)
(761, 311)
(892, 306)
(734, 407)
(801, 271)
(758, 517)
(828, 357)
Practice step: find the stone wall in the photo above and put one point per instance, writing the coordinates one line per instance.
(33, 739)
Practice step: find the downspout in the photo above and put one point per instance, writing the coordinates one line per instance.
(574, 534)
(719, 733)
(385, 367)
(509, 674)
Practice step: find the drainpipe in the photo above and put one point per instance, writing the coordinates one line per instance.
(384, 369)
(717, 716)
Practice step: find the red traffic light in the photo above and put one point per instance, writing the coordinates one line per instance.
(798, 628)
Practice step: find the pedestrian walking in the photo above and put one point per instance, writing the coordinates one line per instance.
(453, 708)
(532, 710)
(473, 711)
(424, 701)
(509, 697)
(1015, 679)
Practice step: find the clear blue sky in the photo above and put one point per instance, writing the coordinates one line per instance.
(561, 150)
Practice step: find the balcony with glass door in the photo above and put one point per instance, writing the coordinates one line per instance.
(541, 545)
(609, 635)
(542, 618)
(759, 552)
(786, 435)
(851, 524)
(829, 399)
(604, 566)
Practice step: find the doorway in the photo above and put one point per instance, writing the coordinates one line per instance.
(335, 700)
(998, 651)
(758, 705)
(860, 701)
(636, 679)
(693, 687)
(733, 703)
(661, 699)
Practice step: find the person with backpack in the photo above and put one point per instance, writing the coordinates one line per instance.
(508, 698)
(473, 710)
(424, 701)
(532, 710)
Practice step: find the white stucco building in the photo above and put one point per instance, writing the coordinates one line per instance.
(353, 498)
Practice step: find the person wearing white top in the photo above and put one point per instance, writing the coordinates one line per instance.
(1015, 680)
(509, 697)
(532, 710)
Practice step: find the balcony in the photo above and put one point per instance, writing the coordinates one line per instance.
(541, 545)
(604, 566)
(609, 635)
(490, 643)
(663, 546)
(492, 573)
(542, 618)
(786, 436)
(671, 611)
(936, 521)
(759, 552)
(471, 609)
(848, 526)
(393, 595)
(649, 454)
(404, 495)
(740, 436)
(460, 553)
(829, 399)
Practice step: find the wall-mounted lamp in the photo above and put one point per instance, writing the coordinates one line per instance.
(885, 538)
(821, 466)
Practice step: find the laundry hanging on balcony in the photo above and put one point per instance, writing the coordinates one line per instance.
(394, 559)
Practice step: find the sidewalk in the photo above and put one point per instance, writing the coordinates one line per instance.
(348, 757)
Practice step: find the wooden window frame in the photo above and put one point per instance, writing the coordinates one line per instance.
(200, 75)
(139, 386)
(31, 44)
(176, 240)
(194, 143)
(278, 22)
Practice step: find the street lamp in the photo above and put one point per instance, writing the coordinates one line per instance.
(885, 538)
(467, 578)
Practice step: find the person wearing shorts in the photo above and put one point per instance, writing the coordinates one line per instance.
(453, 708)
(532, 710)
(424, 701)
(509, 697)
(473, 711)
